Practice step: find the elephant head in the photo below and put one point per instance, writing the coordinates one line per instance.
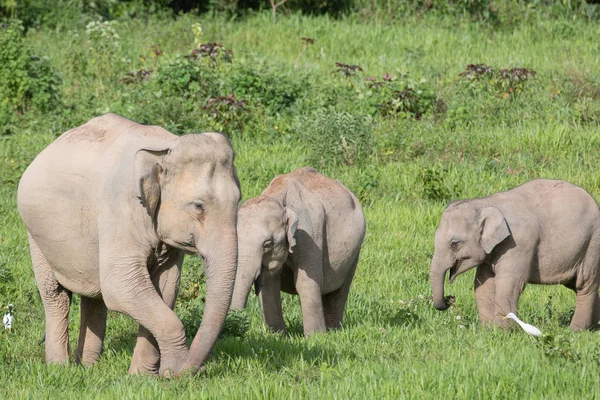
(465, 238)
(191, 192)
(266, 232)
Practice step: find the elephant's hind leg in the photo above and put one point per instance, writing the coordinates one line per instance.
(585, 308)
(334, 303)
(57, 301)
(91, 330)
(586, 291)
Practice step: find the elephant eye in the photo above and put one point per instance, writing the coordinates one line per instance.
(199, 206)
(268, 245)
(455, 244)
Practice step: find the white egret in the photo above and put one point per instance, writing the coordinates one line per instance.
(9, 318)
(530, 329)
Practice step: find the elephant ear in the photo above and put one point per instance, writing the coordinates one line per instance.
(493, 228)
(147, 175)
(291, 223)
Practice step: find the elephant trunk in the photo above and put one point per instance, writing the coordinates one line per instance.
(220, 269)
(437, 276)
(248, 270)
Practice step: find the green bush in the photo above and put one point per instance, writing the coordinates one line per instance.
(275, 90)
(436, 186)
(184, 77)
(400, 98)
(209, 90)
(26, 81)
(483, 92)
(335, 137)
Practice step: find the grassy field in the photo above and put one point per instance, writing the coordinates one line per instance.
(450, 137)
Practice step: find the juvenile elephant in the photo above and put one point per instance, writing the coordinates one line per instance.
(110, 208)
(544, 232)
(302, 235)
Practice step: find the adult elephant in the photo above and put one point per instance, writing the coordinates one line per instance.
(110, 208)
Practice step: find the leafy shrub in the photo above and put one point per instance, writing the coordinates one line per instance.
(185, 94)
(190, 304)
(214, 52)
(484, 93)
(559, 347)
(335, 137)
(505, 82)
(275, 90)
(400, 98)
(226, 113)
(367, 186)
(184, 77)
(102, 35)
(237, 323)
(435, 185)
(26, 80)
(347, 70)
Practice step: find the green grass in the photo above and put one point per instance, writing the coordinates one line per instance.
(394, 344)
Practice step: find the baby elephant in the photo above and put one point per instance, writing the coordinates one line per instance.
(302, 235)
(544, 232)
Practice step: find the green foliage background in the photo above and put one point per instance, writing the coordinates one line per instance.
(405, 132)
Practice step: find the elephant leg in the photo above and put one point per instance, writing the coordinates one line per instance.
(586, 307)
(128, 289)
(485, 292)
(308, 281)
(91, 330)
(146, 355)
(508, 290)
(334, 303)
(270, 301)
(596, 317)
(57, 301)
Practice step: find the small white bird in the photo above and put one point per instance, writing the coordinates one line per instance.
(530, 329)
(9, 318)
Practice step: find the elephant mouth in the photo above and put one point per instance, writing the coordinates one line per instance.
(257, 284)
(453, 273)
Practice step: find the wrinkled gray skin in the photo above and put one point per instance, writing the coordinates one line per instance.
(111, 207)
(301, 236)
(544, 232)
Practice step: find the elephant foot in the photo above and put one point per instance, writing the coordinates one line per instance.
(144, 362)
(143, 371)
(505, 324)
(191, 371)
(170, 366)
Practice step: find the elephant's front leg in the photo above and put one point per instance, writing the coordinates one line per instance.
(270, 301)
(146, 355)
(127, 288)
(308, 280)
(485, 293)
(509, 286)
